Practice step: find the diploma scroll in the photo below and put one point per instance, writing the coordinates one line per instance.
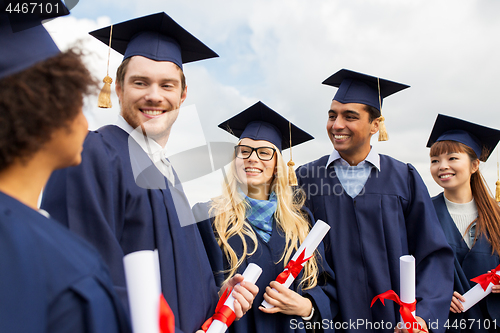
(251, 274)
(144, 291)
(407, 303)
(407, 280)
(305, 251)
(477, 293)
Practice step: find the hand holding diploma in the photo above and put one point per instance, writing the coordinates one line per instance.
(225, 312)
(305, 252)
(483, 287)
(244, 292)
(286, 301)
(456, 302)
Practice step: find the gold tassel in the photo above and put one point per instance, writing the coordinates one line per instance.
(497, 192)
(382, 131)
(104, 99)
(292, 178)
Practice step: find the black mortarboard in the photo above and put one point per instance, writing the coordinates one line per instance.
(157, 37)
(481, 139)
(259, 122)
(24, 42)
(356, 87)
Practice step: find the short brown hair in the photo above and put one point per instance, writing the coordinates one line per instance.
(39, 100)
(373, 113)
(122, 70)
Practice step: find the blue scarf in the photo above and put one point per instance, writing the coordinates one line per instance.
(260, 215)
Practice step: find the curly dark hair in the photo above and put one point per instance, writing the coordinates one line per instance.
(39, 100)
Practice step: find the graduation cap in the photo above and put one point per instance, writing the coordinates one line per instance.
(157, 37)
(357, 87)
(481, 139)
(25, 42)
(259, 122)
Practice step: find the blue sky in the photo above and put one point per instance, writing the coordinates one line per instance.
(279, 52)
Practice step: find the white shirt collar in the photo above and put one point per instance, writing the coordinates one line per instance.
(373, 157)
(155, 152)
(150, 146)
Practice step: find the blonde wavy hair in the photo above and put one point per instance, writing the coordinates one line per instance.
(229, 211)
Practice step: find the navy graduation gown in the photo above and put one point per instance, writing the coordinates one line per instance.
(267, 255)
(470, 263)
(52, 280)
(391, 217)
(101, 201)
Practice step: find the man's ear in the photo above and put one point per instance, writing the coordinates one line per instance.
(184, 94)
(118, 89)
(374, 126)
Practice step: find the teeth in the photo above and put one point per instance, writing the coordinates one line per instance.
(152, 112)
(341, 137)
(445, 176)
(252, 170)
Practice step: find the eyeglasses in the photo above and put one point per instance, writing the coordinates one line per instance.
(263, 153)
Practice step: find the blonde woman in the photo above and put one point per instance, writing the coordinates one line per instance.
(259, 219)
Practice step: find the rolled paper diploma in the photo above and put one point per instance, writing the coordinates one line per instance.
(251, 274)
(305, 251)
(478, 292)
(143, 285)
(407, 280)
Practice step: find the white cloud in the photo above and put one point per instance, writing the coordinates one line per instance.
(280, 51)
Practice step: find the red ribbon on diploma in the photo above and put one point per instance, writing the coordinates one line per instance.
(167, 319)
(223, 312)
(405, 309)
(293, 268)
(485, 279)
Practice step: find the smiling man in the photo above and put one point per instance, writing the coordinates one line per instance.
(121, 211)
(379, 209)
